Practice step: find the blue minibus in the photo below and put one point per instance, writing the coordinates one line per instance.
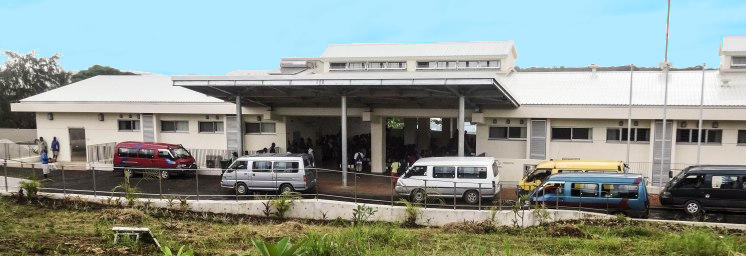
(606, 192)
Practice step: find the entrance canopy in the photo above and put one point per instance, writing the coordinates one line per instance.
(363, 89)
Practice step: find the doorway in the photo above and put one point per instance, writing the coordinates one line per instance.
(77, 144)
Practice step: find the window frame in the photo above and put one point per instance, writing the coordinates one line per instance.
(459, 64)
(693, 132)
(449, 175)
(738, 135)
(572, 133)
(478, 173)
(523, 131)
(580, 195)
(738, 65)
(176, 126)
(261, 128)
(135, 128)
(214, 127)
(633, 139)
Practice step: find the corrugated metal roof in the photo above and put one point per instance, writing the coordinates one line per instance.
(498, 48)
(612, 88)
(123, 88)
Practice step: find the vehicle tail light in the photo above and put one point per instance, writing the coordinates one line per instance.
(305, 178)
(637, 181)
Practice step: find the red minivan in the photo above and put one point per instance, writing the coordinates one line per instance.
(133, 156)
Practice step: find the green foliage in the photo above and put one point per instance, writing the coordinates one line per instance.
(130, 191)
(281, 248)
(395, 123)
(696, 242)
(412, 213)
(541, 213)
(167, 251)
(283, 203)
(23, 76)
(362, 213)
(320, 245)
(31, 186)
(96, 70)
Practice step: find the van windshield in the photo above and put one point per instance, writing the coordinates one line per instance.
(180, 153)
(538, 174)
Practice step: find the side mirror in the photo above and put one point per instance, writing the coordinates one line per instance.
(670, 174)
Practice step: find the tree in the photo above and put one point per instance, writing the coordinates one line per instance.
(26, 75)
(96, 70)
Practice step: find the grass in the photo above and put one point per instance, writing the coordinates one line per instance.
(52, 227)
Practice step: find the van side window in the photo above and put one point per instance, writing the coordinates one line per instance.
(584, 190)
(725, 182)
(146, 153)
(444, 171)
(692, 181)
(539, 174)
(261, 166)
(472, 172)
(619, 191)
(288, 167)
(552, 188)
(238, 165)
(127, 152)
(163, 153)
(416, 171)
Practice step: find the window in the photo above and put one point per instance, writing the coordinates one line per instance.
(741, 137)
(260, 128)
(376, 65)
(288, 167)
(472, 172)
(738, 62)
(261, 166)
(507, 132)
(146, 153)
(620, 134)
(416, 171)
(174, 126)
(469, 64)
(127, 152)
(446, 172)
(619, 191)
(552, 188)
(129, 125)
(725, 182)
(708, 135)
(211, 127)
(238, 165)
(571, 134)
(164, 153)
(691, 181)
(338, 66)
(584, 190)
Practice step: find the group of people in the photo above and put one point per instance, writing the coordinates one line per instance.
(44, 159)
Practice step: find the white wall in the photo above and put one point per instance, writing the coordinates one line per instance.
(253, 142)
(192, 138)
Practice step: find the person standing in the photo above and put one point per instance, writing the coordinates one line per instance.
(55, 149)
(44, 163)
(41, 145)
(311, 157)
(359, 158)
(272, 148)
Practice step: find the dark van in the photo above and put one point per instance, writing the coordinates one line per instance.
(707, 187)
(172, 159)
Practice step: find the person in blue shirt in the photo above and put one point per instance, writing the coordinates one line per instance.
(55, 149)
(44, 163)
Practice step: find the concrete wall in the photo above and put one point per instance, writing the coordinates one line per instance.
(192, 138)
(252, 142)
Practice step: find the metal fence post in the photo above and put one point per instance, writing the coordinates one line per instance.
(160, 184)
(5, 170)
(500, 197)
(93, 172)
(235, 181)
(479, 206)
(196, 178)
(355, 188)
(425, 194)
(454, 195)
(391, 189)
(64, 183)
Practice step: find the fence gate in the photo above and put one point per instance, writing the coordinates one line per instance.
(659, 177)
(148, 129)
(538, 139)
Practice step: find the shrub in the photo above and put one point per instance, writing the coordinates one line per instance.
(281, 248)
(130, 191)
(128, 215)
(696, 242)
(167, 251)
(283, 203)
(362, 213)
(320, 245)
(362, 238)
(31, 186)
(412, 212)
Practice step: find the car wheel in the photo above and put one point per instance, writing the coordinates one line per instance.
(286, 188)
(471, 197)
(418, 196)
(242, 189)
(164, 174)
(693, 208)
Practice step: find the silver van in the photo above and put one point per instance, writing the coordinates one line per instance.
(469, 178)
(270, 172)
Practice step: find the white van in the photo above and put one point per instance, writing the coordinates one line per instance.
(281, 172)
(471, 178)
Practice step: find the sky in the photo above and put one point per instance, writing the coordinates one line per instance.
(216, 37)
